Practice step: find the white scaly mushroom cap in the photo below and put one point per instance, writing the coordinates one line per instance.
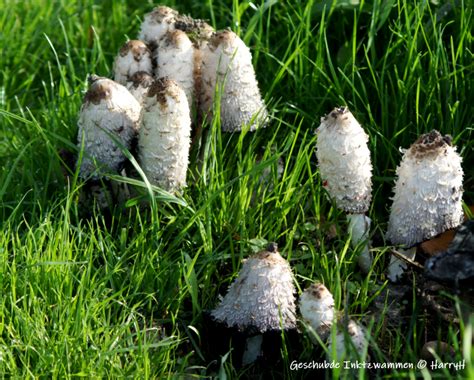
(134, 56)
(164, 137)
(156, 24)
(317, 309)
(428, 191)
(356, 333)
(227, 61)
(108, 108)
(139, 84)
(175, 59)
(344, 160)
(262, 296)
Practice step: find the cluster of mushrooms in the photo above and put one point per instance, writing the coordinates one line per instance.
(427, 202)
(428, 191)
(180, 67)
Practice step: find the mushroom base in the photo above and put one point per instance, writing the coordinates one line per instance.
(359, 227)
(398, 266)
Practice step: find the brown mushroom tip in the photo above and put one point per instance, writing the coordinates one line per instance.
(336, 112)
(318, 290)
(225, 37)
(430, 143)
(174, 37)
(100, 88)
(142, 78)
(163, 87)
(162, 11)
(137, 47)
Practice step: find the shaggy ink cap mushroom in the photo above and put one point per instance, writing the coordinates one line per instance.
(428, 191)
(227, 63)
(316, 306)
(134, 56)
(262, 297)
(108, 112)
(176, 59)
(155, 25)
(344, 160)
(164, 137)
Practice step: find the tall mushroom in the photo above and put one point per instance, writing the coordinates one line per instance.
(261, 299)
(227, 69)
(346, 170)
(108, 111)
(427, 196)
(176, 60)
(164, 136)
(134, 56)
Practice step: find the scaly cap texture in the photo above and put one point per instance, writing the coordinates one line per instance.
(344, 160)
(262, 296)
(139, 84)
(316, 306)
(175, 59)
(155, 25)
(227, 63)
(108, 109)
(164, 137)
(134, 56)
(428, 191)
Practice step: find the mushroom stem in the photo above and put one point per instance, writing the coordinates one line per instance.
(397, 266)
(253, 349)
(359, 226)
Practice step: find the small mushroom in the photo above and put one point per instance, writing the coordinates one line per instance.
(349, 342)
(227, 69)
(261, 300)
(156, 24)
(139, 84)
(316, 306)
(346, 170)
(427, 196)
(164, 136)
(176, 60)
(134, 56)
(108, 111)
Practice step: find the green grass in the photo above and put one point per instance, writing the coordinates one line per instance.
(125, 294)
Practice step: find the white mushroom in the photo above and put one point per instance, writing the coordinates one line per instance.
(139, 84)
(349, 342)
(164, 137)
(227, 69)
(262, 298)
(176, 60)
(346, 171)
(427, 196)
(108, 111)
(134, 56)
(156, 24)
(316, 306)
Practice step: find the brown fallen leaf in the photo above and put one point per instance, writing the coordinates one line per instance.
(441, 242)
